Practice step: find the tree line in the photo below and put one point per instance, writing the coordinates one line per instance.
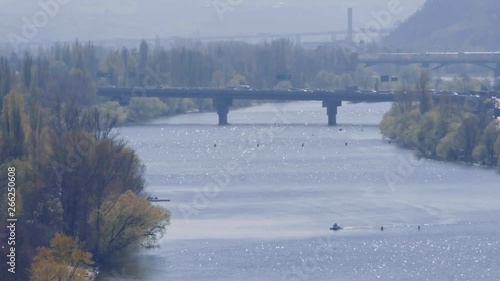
(80, 193)
(453, 130)
(79, 186)
(186, 64)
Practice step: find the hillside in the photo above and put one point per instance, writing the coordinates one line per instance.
(97, 19)
(450, 25)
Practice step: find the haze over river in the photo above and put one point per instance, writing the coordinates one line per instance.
(255, 201)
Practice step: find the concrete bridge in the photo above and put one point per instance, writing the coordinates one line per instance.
(223, 98)
(490, 60)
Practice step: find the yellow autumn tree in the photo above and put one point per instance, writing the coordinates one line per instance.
(64, 260)
(128, 221)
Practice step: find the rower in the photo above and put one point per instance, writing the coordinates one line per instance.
(335, 227)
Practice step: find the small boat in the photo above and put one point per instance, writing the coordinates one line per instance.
(156, 199)
(336, 227)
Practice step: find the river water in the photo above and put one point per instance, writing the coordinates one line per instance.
(255, 201)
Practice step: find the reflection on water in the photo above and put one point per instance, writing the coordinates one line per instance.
(255, 201)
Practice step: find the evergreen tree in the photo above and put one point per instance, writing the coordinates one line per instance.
(12, 127)
(5, 78)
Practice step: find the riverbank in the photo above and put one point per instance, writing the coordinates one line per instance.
(141, 110)
(89, 273)
(446, 133)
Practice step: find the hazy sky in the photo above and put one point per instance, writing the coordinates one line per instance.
(101, 19)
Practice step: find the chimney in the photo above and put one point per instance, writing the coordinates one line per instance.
(349, 25)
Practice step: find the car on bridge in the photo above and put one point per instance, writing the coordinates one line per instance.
(321, 90)
(244, 87)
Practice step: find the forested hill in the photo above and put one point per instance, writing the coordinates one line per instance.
(450, 25)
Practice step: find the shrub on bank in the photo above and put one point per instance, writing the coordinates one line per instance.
(140, 109)
(115, 111)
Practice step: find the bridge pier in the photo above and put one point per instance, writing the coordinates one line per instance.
(222, 106)
(331, 111)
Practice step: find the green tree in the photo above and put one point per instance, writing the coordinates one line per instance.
(363, 78)
(425, 95)
(13, 127)
(218, 79)
(283, 85)
(485, 152)
(428, 134)
(81, 90)
(497, 150)
(145, 108)
(143, 56)
(27, 71)
(326, 80)
(237, 80)
(480, 153)
(409, 77)
(446, 147)
(467, 136)
(5, 78)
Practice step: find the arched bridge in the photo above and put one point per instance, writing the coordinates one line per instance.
(489, 60)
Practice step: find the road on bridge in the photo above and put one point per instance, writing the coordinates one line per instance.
(223, 98)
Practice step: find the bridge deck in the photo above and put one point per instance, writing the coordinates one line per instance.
(223, 98)
(431, 57)
(246, 94)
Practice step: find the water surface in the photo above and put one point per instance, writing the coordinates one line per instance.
(255, 201)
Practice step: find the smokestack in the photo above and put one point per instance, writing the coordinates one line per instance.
(349, 25)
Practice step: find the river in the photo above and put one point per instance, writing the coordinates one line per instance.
(255, 201)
